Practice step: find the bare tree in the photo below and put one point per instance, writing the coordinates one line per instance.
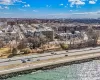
(35, 42)
(1, 44)
(93, 37)
(14, 51)
(22, 44)
(43, 40)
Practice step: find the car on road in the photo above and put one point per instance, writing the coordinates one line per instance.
(53, 53)
(91, 49)
(67, 51)
(66, 55)
(9, 60)
(23, 61)
(38, 59)
(28, 59)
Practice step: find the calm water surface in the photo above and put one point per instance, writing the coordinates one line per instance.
(83, 71)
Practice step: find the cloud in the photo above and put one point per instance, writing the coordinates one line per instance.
(48, 5)
(27, 5)
(1, 7)
(22, 9)
(7, 13)
(8, 2)
(21, 2)
(70, 10)
(58, 14)
(86, 13)
(4, 7)
(65, 6)
(94, 14)
(35, 10)
(76, 2)
(80, 13)
(81, 2)
(61, 4)
(92, 1)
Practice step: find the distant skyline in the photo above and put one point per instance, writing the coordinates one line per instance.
(50, 8)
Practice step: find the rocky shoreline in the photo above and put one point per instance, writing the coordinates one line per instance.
(5, 76)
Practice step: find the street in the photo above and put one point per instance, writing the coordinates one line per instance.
(46, 56)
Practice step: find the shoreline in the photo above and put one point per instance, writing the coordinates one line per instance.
(15, 74)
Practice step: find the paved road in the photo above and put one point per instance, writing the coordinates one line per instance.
(45, 56)
(50, 62)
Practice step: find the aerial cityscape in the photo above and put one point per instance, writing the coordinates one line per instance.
(49, 40)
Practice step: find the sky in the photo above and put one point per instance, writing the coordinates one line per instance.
(50, 8)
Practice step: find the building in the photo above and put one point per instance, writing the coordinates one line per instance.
(68, 36)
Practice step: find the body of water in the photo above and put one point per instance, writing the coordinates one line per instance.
(83, 71)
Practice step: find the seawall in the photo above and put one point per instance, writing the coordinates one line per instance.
(51, 64)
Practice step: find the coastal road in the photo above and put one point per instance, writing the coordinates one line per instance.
(48, 63)
(45, 56)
